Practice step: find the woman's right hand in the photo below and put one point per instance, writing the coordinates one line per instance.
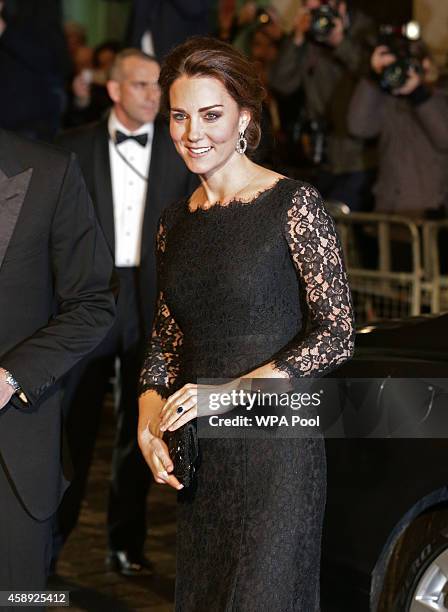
(156, 455)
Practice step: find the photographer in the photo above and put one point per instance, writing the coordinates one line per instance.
(88, 99)
(237, 21)
(406, 105)
(325, 55)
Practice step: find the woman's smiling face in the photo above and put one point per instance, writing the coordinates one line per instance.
(204, 123)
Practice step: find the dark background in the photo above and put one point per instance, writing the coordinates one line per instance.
(384, 11)
(387, 11)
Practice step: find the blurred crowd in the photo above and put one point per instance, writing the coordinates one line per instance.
(358, 109)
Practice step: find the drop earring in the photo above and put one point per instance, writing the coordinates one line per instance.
(241, 144)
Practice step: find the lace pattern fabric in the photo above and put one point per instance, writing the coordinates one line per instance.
(162, 356)
(316, 253)
(232, 282)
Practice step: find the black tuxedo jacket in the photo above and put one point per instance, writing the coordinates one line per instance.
(56, 305)
(169, 180)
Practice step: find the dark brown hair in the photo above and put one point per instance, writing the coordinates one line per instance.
(210, 57)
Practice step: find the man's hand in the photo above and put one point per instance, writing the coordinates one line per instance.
(6, 391)
(414, 81)
(81, 88)
(381, 58)
(301, 25)
(247, 13)
(337, 33)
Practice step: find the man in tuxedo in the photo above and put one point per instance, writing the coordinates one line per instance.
(56, 305)
(133, 172)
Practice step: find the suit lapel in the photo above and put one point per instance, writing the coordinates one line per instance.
(12, 195)
(103, 184)
(156, 176)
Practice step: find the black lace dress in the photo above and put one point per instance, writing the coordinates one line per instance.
(231, 281)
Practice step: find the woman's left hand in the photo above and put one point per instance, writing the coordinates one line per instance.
(180, 408)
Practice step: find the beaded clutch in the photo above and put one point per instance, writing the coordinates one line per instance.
(183, 448)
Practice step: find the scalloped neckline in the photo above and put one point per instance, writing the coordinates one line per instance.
(238, 201)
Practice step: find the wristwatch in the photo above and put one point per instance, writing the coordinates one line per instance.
(12, 382)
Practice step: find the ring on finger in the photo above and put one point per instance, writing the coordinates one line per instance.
(180, 409)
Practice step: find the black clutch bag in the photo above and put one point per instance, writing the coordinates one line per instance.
(183, 448)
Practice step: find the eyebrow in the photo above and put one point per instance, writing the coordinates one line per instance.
(201, 110)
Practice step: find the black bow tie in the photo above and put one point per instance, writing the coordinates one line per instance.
(142, 139)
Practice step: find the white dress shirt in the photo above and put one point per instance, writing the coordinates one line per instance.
(147, 43)
(128, 190)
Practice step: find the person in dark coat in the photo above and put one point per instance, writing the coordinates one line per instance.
(33, 66)
(412, 125)
(327, 69)
(56, 305)
(156, 26)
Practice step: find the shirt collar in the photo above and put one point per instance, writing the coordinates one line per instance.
(114, 124)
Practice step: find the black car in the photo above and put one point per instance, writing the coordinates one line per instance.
(385, 545)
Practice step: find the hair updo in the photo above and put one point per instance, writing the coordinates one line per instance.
(201, 56)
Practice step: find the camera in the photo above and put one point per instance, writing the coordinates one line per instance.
(395, 76)
(322, 22)
(399, 42)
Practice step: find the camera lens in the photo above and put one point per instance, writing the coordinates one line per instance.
(395, 75)
(322, 22)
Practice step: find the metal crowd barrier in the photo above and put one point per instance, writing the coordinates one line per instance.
(394, 263)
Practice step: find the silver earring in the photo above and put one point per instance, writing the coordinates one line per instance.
(241, 144)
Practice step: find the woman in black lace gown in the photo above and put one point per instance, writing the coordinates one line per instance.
(234, 260)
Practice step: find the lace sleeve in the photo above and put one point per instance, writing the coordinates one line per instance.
(161, 362)
(317, 255)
